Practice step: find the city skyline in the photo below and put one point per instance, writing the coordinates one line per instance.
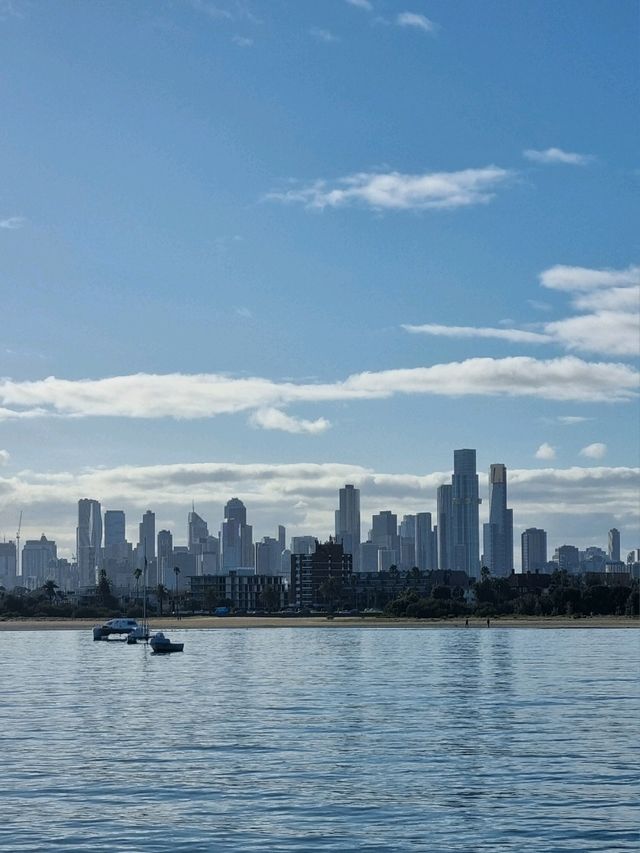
(220, 277)
(447, 539)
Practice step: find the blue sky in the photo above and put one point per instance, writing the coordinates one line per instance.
(277, 190)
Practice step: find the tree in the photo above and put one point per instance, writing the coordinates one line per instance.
(104, 596)
(137, 575)
(50, 588)
(485, 574)
(270, 598)
(161, 593)
(330, 591)
(210, 599)
(176, 605)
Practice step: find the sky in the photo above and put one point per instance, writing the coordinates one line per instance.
(267, 248)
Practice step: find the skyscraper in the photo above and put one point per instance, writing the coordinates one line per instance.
(426, 556)
(465, 500)
(147, 538)
(236, 537)
(165, 556)
(498, 532)
(114, 528)
(445, 526)
(347, 522)
(88, 540)
(534, 550)
(198, 530)
(614, 545)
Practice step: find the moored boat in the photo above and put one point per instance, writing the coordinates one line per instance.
(162, 645)
(115, 626)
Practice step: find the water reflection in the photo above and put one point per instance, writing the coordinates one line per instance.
(333, 740)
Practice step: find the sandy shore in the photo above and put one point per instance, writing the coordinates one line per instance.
(186, 622)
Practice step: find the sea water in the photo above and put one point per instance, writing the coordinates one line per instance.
(347, 739)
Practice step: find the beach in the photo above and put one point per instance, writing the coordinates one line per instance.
(222, 622)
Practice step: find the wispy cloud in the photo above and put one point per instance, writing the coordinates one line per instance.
(361, 4)
(244, 312)
(608, 322)
(571, 420)
(12, 223)
(597, 450)
(554, 156)
(4, 457)
(323, 35)
(211, 10)
(413, 19)
(398, 191)
(545, 451)
(276, 419)
(561, 277)
(242, 41)
(189, 396)
(514, 335)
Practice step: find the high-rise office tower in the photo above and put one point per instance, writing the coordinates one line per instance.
(165, 557)
(8, 564)
(88, 540)
(426, 549)
(282, 536)
(39, 558)
(407, 533)
(498, 532)
(465, 500)
(445, 527)
(236, 537)
(614, 545)
(198, 530)
(114, 528)
(347, 522)
(147, 538)
(534, 550)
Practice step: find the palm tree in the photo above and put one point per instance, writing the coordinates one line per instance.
(137, 575)
(161, 592)
(50, 588)
(176, 569)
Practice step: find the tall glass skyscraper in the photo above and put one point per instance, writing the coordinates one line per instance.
(88, 540)
(498, 532)
(465, 514)
(347, 519)
(445, 526)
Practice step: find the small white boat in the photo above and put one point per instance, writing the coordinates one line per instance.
(162, 645)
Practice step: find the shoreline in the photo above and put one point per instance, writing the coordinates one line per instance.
(47, 623)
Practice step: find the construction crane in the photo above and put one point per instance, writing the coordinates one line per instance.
(18, 572)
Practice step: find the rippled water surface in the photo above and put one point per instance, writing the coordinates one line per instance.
(320, 739)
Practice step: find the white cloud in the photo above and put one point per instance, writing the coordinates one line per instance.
(561, 277)
(242, 41)
(611, 325)
(570, 420)
(575, 504)
(614, 333)
(211, 10)
(557, 155)
(413, 19)
(4, 457)
(515, 335)
(397, 191)
(545, 451)
(323, 35)
(188, 396)
(361, 4)
(275, 419)
(12, 223)
(594, 451)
